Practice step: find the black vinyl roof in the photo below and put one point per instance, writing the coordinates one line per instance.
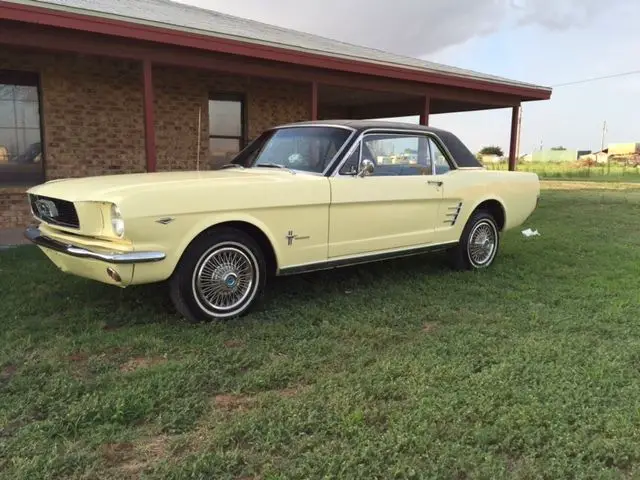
(459, 151)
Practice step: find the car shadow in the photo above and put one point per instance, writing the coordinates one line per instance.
(314, 287)
(151, 304)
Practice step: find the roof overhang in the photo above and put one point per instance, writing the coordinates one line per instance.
(58, 17)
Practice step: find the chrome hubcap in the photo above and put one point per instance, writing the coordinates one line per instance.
(482, 243)
(224, 278)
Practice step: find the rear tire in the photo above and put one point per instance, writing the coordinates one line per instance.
(478, 244)
(220, 276)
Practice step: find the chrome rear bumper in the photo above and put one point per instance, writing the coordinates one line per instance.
(35, 235)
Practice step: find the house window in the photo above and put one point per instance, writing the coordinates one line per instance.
(21, 161)
(226, 128)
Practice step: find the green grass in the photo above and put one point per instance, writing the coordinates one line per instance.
(393, 370)
(599, 173)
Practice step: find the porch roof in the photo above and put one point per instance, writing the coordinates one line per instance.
(174, 23)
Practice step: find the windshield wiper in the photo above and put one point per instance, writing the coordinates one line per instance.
(231, 165)
(275, 165)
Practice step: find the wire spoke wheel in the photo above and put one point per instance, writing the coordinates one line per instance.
(482, 245)
(224, 279)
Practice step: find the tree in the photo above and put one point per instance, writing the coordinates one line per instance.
(558, 148)
(492, 150)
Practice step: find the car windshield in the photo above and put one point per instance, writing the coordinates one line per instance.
(308, 149)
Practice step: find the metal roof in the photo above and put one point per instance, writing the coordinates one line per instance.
(186, 18)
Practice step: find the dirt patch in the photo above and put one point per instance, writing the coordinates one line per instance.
(7, 372)
(292, 391)
(430, 327)
(117, 453)
(233, 403)
(78, 357)
(131, 460)
(155, 447)
(141, 362)
(234, 344)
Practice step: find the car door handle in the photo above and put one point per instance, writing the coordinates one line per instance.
(437, 183)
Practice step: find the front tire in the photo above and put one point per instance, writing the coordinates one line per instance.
(478, 244)
(221, 276)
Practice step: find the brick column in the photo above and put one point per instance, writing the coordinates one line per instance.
(149, 122)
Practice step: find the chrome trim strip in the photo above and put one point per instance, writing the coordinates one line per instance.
(383, 130)
(34, 235)
(307, 125)
(366, 258)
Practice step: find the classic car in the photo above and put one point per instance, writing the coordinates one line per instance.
(300, 197)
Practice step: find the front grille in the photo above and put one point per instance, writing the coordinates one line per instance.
(54, 211)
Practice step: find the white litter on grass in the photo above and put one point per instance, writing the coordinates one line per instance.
(530, 233)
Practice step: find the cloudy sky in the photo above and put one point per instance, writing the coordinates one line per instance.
(547, 42)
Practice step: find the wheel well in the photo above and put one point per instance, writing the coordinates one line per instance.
(254, 232)
(496, 210)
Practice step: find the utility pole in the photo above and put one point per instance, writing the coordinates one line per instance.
(604, 131)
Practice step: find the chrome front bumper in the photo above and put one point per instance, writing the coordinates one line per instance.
(34, 235)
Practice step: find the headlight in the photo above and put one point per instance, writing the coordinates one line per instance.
(117, 222)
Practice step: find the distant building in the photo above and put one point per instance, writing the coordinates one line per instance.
(624, 148)
(554, 156)
(598, 157)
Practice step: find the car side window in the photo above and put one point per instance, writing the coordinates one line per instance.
(395, 154)
(350, 166)
(438, 158)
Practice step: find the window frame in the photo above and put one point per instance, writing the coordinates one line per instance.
(28, 78)
(444, 153)
(256, 146)
(382, 131)
(233, 97)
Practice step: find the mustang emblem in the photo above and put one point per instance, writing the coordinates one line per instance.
(46, 208)
(292, 236)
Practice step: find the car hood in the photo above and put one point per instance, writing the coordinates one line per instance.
(113, 187)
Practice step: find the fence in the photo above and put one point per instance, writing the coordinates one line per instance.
(613, 171)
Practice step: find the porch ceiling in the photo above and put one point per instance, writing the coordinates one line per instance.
(361, 103)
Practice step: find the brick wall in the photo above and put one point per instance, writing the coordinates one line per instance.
(92, 109)
(14, 210)
(180, 93)
(92, 116)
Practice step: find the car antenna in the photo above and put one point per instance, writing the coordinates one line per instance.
(198, 138)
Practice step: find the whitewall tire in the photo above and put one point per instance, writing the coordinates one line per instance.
(221, 276)
(479, 243)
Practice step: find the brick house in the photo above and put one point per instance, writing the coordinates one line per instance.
(93, 87)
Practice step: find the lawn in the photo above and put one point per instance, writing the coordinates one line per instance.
(394, 370)
(555, 170)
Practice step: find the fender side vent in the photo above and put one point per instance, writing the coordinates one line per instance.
(453, 213)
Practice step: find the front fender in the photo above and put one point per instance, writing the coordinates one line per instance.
(219, 219)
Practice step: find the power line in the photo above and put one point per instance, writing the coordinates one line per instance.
(593, 79)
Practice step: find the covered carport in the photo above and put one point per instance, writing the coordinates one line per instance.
(142, 86)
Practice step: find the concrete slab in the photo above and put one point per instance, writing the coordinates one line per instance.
(12, 236)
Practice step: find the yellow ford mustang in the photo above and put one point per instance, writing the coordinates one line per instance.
(301, 197)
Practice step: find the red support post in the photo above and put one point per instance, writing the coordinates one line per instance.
(149, 122)
(424, 116)
(314, 100)
(515, 132)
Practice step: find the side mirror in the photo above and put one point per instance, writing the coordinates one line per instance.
(366, 168)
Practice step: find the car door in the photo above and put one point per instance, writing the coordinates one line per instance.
(394, 207)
